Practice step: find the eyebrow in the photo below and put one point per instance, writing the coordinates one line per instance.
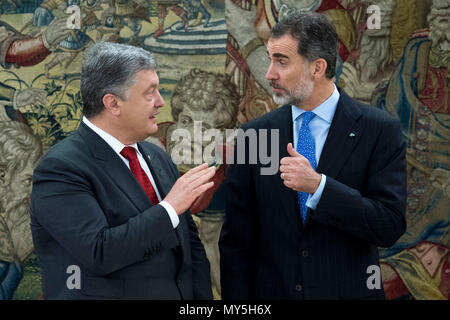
(152, 86)
(278, 55)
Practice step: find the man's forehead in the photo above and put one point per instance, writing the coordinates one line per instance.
(285, 45)
(147, 73)
(149, 77)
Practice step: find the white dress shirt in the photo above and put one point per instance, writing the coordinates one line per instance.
(117, 146)
(319, 127)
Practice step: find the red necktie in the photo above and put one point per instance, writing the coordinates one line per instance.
(130, 154)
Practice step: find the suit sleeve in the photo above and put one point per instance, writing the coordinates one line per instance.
(201, 275)
(377, 214)
(237, 240)
(64, 203)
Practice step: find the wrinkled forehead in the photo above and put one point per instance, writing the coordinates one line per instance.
(147, 78)
(285, 45)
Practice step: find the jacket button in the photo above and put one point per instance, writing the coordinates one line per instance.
(305, 253)
(298, 288)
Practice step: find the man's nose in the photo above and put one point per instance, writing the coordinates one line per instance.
(159, 101)
(271, 74)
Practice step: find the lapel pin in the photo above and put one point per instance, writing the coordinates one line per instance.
(351, 135)
(148, 156)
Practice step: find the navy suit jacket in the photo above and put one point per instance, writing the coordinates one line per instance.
(267, 252)
(88, 210)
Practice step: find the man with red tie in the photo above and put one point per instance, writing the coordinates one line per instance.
(109, 212)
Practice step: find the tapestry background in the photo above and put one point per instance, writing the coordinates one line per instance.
(212, 60)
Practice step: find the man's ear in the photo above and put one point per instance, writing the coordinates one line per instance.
(319, 68)
(111, 103)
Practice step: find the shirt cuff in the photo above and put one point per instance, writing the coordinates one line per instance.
(171, 212)
(313, 199)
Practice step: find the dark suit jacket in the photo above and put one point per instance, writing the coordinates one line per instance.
(266, 250)
(88, 210)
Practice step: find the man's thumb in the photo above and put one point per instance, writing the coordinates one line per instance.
(292, 151)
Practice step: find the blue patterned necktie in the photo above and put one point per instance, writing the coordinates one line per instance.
(307, 148)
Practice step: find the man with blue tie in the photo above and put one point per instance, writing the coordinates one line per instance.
(312, 230)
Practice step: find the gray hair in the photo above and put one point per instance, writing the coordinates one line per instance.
(316, 35)
(110, 68)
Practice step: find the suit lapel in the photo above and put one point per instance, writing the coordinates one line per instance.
(163, 183)
(342, 137)
(115, 168)
(283, 122)
(154, 162)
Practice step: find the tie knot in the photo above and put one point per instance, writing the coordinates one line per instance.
(308, 116)
(129, 153)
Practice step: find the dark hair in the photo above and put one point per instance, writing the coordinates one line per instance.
(110, 68)
(316, 35)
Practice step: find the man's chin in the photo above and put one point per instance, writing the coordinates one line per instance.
(280, 99)
(153, 128)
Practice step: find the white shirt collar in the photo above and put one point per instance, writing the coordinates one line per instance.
(113, 142)
(325, 110)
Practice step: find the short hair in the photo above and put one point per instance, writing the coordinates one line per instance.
(205, 91)
(18, 145)
(110, 68)
(316, 35)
